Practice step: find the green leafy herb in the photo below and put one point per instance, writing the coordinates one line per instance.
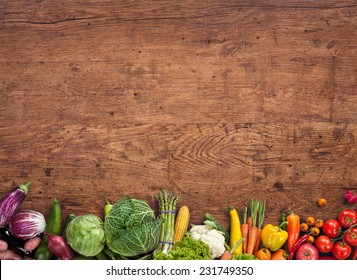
(187, 249)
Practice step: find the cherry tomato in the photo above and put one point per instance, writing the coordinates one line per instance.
(322, 202)
(347, 218)
(314, 231)
(350, 236)
(310, 221)
(319, 223)
(310, 239)
(341, 251)
(331, 228)
(304, 227)
(263, 254)
(324, 244)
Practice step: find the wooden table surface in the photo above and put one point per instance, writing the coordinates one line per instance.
(220, 101)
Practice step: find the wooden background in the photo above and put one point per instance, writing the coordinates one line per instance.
(218, 100)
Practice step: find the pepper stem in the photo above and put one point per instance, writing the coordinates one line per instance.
(282, 224)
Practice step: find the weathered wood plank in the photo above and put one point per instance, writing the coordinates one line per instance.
(219, 100)
(210, 165)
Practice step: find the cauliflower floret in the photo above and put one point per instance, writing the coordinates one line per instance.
(211, 236)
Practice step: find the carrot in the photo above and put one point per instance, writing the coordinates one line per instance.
(245, 230)
(228, 254)
(261, 214)
(253, 231)
(250, 222)
(252, 237)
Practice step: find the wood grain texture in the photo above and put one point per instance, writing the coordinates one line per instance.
(218, 100)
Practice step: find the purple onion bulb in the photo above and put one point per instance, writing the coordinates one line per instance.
(27, 224)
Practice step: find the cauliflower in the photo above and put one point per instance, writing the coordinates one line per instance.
(211, 236)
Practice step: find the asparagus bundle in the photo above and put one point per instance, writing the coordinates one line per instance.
(167, 212)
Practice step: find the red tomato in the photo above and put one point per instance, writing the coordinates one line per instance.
(307, 251)
(347, 218)
(331, 228)
(324, 244)
(350, 236)
(341, 251)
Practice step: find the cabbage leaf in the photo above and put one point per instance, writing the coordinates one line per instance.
(131, 227)
(85, 235)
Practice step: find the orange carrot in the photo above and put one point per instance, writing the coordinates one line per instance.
(250, 221)
(252, 237)
(253, 231)
(257, 241)
(250, 224)
(245, 230)
(228, 254)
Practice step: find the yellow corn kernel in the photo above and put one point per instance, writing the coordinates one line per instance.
(181, 223)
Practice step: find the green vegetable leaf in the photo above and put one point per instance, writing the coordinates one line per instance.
(85, 234)
(139, 239)
(187, 249)
(131, 228)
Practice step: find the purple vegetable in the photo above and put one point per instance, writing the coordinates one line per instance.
(59, 247)
(27, 224)
(11, 202)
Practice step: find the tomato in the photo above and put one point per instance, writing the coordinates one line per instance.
(263, 254)
(322, 202)
(341, 251)
(347, 218)
(314, 231)
(310, 221)
(331, 228)
(319, 223)
(324, 244)
(350, 236)
(307, 251)
(304, 227)
(310, 239)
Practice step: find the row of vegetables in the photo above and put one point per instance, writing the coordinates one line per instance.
(130, 229)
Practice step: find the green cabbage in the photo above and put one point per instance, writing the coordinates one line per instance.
(131, 228)
(85, 235)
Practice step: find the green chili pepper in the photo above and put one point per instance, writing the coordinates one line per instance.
(53, 226)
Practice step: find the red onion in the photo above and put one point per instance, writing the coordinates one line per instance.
(59, 247)
(27, 224)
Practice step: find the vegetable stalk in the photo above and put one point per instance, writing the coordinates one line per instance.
(167, 210)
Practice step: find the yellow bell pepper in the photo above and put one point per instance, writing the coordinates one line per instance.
(273, 237)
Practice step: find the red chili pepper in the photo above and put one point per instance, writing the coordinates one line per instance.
(297, 244)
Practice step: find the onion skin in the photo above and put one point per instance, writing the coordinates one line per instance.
(27, 224)
(59, 247)
(11, 202)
